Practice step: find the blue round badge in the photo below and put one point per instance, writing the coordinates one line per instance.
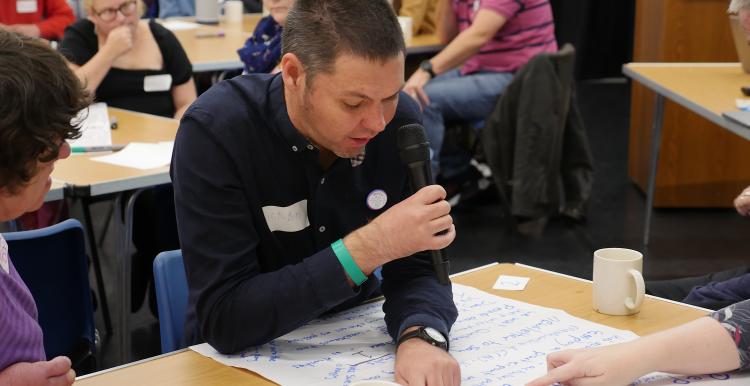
(377, 199)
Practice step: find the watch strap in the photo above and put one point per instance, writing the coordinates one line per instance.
(421, 334)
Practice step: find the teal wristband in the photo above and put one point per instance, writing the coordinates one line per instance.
(351, 268)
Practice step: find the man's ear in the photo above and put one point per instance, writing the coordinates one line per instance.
(292, 72)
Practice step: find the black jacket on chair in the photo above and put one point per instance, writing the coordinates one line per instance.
(535, 142)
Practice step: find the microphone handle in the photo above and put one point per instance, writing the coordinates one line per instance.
(421, 176)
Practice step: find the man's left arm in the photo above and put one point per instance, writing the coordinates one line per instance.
(462, 47)
(57, 16)
(414, 298)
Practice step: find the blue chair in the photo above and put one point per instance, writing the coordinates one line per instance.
(171, 298)
(53, 263)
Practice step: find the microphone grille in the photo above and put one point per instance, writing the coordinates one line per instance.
(412, 144)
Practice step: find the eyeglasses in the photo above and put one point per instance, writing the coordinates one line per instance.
(126, 9)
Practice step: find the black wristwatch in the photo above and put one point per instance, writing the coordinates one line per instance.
(428, 334)
(426, 65)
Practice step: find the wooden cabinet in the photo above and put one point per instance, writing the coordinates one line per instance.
(701, 164)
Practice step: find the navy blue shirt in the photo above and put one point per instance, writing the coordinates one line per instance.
(257, 213)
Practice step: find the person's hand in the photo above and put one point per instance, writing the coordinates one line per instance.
(420, 363)
(414, 87)
(613, 365)
(119, 41)
(413, 225)
(30, 30)
(742, 202)
(56, 372)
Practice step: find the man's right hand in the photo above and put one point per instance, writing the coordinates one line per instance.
(413, 225)
(56, 372)
(119, 41)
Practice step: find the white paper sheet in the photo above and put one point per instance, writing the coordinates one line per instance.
(496, 341)
(140, 155)
(95, 127)
(179, 25)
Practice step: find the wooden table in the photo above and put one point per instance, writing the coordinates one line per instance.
(86, 179)
(219, 53)
(545, 289)
(707, 89)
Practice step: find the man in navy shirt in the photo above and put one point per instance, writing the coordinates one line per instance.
(289, 193)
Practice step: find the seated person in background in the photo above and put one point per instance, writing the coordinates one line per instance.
(262, 50)
(138, 65)
(487, 42)
(284, 216)
(36, 18)
(129, 63)
(713, 344)
(40, 96)
(714, 290)
(423, 14)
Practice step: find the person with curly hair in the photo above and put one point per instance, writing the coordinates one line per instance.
(40, 97)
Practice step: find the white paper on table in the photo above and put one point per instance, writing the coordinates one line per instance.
(497, 341)
(179, 25)
(95, 127)
(511, 283)
(140, 155)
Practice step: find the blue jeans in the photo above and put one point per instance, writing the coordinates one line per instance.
(462, 98)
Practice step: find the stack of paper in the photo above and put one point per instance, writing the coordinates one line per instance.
(95, 127)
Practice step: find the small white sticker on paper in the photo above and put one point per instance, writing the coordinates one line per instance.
(511, 283)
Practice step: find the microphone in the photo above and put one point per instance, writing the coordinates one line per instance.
(414, 150)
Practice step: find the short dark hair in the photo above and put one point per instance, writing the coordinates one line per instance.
(318, 31)
(39, 95)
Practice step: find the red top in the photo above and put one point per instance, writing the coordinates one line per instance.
(51, 16)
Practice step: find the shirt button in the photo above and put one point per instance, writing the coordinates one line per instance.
(294, 148)
(309, 147)
(322, 180)
(322, 229)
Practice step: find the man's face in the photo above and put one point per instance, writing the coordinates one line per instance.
(344, 110)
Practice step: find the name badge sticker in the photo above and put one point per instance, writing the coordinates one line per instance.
(26, 6)
(377, 199)
(156, 83)
(292, 218)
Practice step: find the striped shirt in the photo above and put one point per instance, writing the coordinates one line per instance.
(20, 334)
(529, 29)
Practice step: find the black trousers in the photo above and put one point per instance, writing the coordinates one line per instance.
(678, 289)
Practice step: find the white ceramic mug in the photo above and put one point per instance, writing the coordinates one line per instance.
(618, 283)
(207, 11)
(233, 10)
(406, 23)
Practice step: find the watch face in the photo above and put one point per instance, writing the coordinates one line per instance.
(434, 334)
(426, 65)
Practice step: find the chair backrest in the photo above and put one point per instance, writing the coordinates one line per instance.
(53, 263)
(171, 298)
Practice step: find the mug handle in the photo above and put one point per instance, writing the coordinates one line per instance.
(640, 290)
